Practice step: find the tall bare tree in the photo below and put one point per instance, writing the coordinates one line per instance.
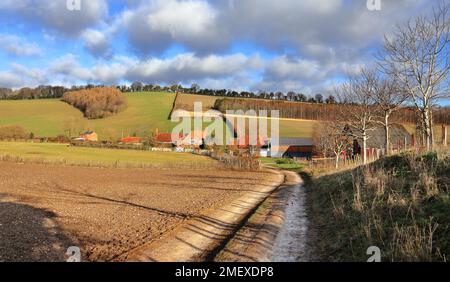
(388, 96)
(359, 111)
(417, 54)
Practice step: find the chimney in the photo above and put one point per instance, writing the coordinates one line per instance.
(157, 132)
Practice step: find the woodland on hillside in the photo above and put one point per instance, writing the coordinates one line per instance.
(97, 102)
(316, 111)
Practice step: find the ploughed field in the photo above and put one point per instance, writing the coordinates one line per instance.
(106, 212)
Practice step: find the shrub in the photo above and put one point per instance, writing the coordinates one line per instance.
(284, 161)
(13, 132)
(97, 102)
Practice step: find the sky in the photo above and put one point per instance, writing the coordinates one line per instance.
(306, 46)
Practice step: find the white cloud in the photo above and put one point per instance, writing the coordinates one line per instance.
(311, 43)
(55, 15)
(96, 42)
(36, 76)
(10, 80)
(181, 19)
(185, 67)
(283, 67)
(155, 25)
(14, 45)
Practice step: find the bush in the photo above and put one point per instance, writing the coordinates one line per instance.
(97, 102)
(284, 161)
(13, 132)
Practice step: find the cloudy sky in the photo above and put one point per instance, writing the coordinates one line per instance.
(302, 45)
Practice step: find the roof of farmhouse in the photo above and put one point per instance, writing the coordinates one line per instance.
(296, 142)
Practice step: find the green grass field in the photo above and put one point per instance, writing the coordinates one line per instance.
(300, 128)
(146, 112)
(81, 155)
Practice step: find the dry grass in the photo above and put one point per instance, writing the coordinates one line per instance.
(186, 101)
(400, 204)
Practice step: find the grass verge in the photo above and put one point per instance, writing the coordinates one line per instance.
(400, 204)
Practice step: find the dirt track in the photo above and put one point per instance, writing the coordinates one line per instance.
(276, 231)
(106, 212)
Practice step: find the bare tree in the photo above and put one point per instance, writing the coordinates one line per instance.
(417, 54)
(359, 111)
(388, 96)
(332, 139)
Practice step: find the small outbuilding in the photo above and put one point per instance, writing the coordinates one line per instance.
(131, 140)
(291, 148)
(88, 136)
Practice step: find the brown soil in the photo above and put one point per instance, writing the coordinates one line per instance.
(106, 212)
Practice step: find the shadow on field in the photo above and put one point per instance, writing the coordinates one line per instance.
(29, 234)
(252, 233)
(119, 201)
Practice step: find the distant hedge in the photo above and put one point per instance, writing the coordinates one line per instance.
(13, 132)
(97, 103)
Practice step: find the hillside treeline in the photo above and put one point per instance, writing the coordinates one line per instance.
(97, 102)
(317, 111)
(48, 92)
(13, 132)
(26, 93)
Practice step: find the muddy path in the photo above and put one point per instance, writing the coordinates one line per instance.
(277, 231)
(290, 245)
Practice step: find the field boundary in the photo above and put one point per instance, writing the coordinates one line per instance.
(202, 237)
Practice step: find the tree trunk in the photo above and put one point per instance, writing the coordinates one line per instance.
(386, 130)
(431, 129)
(364, 147)
(337, 161)
(427, 129)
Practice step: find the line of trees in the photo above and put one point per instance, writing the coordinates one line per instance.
(49, 92)
(40, 92)
(412, 68)
(328, 112)
(195, 89)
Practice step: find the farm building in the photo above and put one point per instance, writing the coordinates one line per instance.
(167, 138)
(195, 138)
(163, 138)
(88, 136)
(399, 140)
(289, 148)
(131, 140)
(245, 142)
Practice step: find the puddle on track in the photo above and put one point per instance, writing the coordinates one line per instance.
(290, 245)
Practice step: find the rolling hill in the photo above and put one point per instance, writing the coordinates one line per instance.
(146, 112)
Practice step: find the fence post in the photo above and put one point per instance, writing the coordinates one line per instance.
(444, 135)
